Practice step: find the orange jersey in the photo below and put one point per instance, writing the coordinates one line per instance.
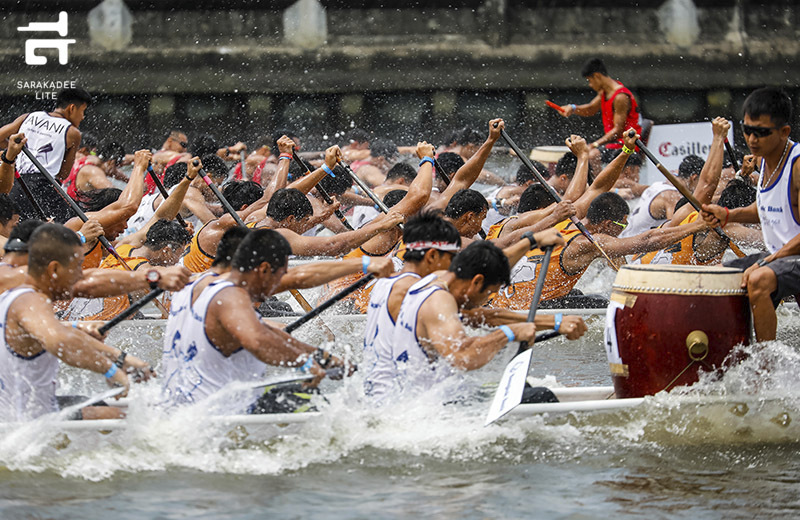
(92, 259)
(679, 253)
(194, 258)
(558, 281)
(496, 229)
(114, 305)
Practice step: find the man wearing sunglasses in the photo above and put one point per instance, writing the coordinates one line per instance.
(769, 277)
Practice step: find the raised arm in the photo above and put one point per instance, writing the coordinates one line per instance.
(605, 180)
(7, 169)
(580, 180)
(305, 184)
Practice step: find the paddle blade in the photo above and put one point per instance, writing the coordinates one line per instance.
(554, 106)
(511, 387)
(108, 394)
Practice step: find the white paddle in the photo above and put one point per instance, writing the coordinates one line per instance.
(512, 385)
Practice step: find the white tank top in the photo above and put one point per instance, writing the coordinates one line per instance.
(363, 215)
(27, 384)
(640, 219)
(413, 369)
(193, 367)
(47, 140)
(378, 337)
(492, 216)
(778, 223)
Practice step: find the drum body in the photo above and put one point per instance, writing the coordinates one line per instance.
(665, 323)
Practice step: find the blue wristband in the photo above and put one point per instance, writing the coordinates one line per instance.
(426, 159)
(574, 107)
(365, 260)
(74, 324)
(111, 371)
(328, 170)
(494, 204)
(505, 329)
(558, 318)
(356, 190)
(307, 365)
(82, 237)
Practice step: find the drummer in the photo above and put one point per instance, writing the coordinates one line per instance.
(769, 277)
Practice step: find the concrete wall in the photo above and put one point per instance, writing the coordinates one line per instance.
(403, 70)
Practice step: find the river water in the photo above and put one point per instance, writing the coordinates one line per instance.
(665, 459)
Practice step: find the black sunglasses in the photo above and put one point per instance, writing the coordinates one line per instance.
(758, 131)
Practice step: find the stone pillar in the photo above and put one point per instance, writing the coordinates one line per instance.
(111, 25)
(493, 15)
(678, 22)
(305, 24)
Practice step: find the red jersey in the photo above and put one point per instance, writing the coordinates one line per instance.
(607, 110)
(71, 183)
(150, 184)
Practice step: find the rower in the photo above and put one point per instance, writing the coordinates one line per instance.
(34, 340)
(430, 344)
(9, 217)
(217, 338)
(769, 277)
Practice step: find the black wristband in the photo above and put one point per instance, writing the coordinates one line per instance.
(121, 359)
(321, 359)
(5, 159)
(529, 236)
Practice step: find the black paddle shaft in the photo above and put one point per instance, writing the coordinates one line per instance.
(371, 194)
(130, 311)
(313, 313)
(27, 191)
(731, 155)
(322, 191)
(220, 196)
(548, 252)
(74, 205)
(163, 191)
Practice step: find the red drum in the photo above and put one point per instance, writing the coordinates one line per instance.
(667, 322)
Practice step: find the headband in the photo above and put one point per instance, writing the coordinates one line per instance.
(428, 244)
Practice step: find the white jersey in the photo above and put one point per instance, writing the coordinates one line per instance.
(27, 384)
(193, 367)
(363, 215)
(143, 214)
(47, 140)
(641, 219)
(413, 368)
(378, 338)
(778, 223)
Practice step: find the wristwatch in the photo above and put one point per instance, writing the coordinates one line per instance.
(529, 236)
(153, 277)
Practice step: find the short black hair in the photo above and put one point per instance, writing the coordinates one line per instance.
(690, 165)
(534, 197)
(592, 66)
(466, 201)
(20, 236)
(259, 246)
(450, 162)
(469, 136)
(228, 244)
(174, 173)
(96, 200)
(393, 197)
(607, 206)
(8, 208)
(165, 233)
(357, 135)
(525, 175)
(111, 151)
(383, 148)
(69, 96)
(338, 184)
(289, 201)
(89, 141)
(403, 171)
(242, 193)
(482, 257)
(204, 145)
(771, 101)
(429, 226)
(567, 165)
(737, 194)
(48, 243)
(215, 167)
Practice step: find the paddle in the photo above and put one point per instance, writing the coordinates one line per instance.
(578, 224)
(163, 191)
(130, 311)
(731, 155)
(108, 394)
(294, 292)
(322, 191)
(328, 303)
(684, 191)
(242, 158)
(78, 211)
(555, 107)
(512, 384)
(363, 186)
